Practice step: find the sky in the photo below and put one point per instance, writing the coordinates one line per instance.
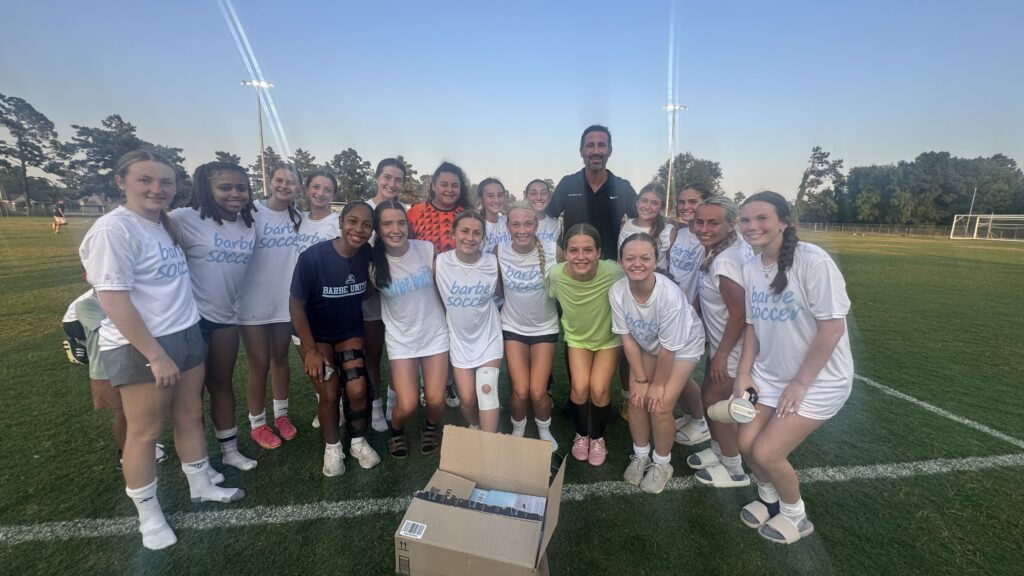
(505, 89)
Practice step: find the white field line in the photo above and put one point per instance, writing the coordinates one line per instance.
(264, 515)
(944, 413)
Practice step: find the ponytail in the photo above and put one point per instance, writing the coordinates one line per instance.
(785, 261)
(294, 215)
(171, 227)
(729, 240)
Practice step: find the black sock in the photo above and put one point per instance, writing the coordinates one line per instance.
(580, 414)
(602, 415)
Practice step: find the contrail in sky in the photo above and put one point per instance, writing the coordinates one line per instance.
(255, 72)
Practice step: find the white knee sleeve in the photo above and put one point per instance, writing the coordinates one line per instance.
(487, 376)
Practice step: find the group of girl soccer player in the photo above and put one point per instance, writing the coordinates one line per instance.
(450, 292)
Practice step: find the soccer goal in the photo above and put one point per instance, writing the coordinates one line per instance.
(988, 227)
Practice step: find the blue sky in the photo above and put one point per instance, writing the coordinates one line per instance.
(504, 89)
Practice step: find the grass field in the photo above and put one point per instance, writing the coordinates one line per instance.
(920, 473)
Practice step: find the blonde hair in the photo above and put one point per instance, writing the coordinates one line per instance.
(542, 259)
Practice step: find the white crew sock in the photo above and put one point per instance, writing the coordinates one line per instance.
(280, 408)
(518, 427)
(201, 489)
(716, 449)
(659, 459)
(228, 440)
(767, 493)
(734, 464)
(795, 512)
(544, 432)
(255, 421)
(642, 451)
(156, 534)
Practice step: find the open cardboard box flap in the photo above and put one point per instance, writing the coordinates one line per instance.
(497, 461)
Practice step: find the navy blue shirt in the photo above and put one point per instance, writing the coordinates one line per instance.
(332, 287)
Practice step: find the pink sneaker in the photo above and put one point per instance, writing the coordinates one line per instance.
(265, 437)
(581, 448)
(285, 428)
(598, 452)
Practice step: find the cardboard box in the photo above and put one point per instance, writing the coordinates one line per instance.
(438, 538)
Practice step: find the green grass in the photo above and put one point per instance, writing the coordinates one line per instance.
(935, 319)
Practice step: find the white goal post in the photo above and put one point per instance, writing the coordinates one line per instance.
(987, 227)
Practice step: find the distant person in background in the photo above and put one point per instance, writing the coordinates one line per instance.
(218, 237)
(594, 195)
(389, 180)
(796, 354)
(151, 345)
(263, 307)
(58, 217)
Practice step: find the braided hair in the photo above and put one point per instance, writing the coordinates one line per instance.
(732, 212)
(293, 213)
(789, 237)
(381, 268)
(202, 193)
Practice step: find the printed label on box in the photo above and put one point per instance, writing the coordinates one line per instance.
(413, 529)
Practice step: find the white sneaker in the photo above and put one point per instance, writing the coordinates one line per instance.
(657, 477)
(334, 461)
(636, 469)
(377, 421)
(450, 397)
(364, 453)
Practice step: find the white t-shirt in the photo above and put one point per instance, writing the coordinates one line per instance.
(125, 252)
(414, 322)
(727, 264)
(474, 324)
(684, 260)
(548, 231)
(71, 315)
(264, 299)
(528, 310)
(785, 323)
(666, 320)
(665, 238)
(496, 234)
(315, 231)
(218, 256)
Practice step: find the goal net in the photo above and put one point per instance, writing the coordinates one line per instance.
(988, 227)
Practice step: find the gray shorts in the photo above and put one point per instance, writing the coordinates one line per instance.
(126, 365)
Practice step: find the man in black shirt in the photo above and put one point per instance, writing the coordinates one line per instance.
(595, 195)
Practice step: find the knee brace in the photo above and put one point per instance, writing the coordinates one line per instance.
(487, 376)
(349, 374)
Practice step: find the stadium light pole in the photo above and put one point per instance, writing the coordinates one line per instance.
(258, 84)
(674, 109)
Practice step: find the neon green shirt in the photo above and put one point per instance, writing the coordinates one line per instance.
(586, 312)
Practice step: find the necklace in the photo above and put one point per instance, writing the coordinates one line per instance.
(768, 269)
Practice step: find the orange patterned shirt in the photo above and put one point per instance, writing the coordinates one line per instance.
(427, 222)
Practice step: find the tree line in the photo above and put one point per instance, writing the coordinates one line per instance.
(930, 189)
